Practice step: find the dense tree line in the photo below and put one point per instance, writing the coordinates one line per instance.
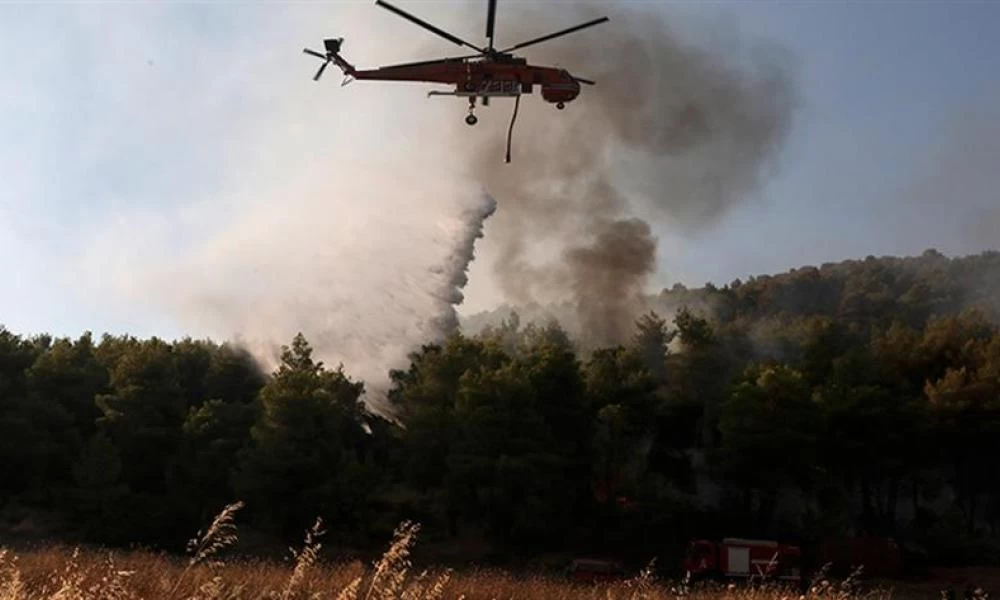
(787, 406)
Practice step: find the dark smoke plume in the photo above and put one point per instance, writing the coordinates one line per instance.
(608, 275)
(672, 136)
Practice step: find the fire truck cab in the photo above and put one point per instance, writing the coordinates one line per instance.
(743, 558)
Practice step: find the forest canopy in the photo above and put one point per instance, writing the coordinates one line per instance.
(859, 397)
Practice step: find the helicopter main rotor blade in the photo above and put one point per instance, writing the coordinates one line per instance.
(582, 80)
(491, 16)
(557, 34)
(451, 38)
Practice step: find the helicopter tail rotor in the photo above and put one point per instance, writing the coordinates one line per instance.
(332, 55)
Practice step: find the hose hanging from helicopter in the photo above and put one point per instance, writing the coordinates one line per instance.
(510, 131)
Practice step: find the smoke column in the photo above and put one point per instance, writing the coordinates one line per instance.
(671, 136)
(454, 272)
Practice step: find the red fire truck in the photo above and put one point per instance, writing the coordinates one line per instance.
(742, 558)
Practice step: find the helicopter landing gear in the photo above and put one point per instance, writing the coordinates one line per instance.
(471, 118)
(561, 105)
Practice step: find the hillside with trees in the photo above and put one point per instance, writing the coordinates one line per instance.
(859, 397)
(872, 291)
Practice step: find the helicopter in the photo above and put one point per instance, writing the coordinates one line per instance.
(487, 74)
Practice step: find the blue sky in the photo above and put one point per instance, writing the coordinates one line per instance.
(133, 134)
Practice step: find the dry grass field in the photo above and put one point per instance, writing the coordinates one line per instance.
(62, 573)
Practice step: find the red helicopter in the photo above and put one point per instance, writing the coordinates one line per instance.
(489, 73)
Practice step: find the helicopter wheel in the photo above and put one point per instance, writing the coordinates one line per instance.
(561, 105)
(471, 120)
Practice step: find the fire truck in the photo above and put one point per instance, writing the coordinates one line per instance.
(742, 558)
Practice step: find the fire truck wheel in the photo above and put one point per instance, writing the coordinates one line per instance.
(471, 119)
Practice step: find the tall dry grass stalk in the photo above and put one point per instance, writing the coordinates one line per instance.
(304, 559)
(391, 569)
(220, 535)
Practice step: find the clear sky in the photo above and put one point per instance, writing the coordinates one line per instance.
(133, 133)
